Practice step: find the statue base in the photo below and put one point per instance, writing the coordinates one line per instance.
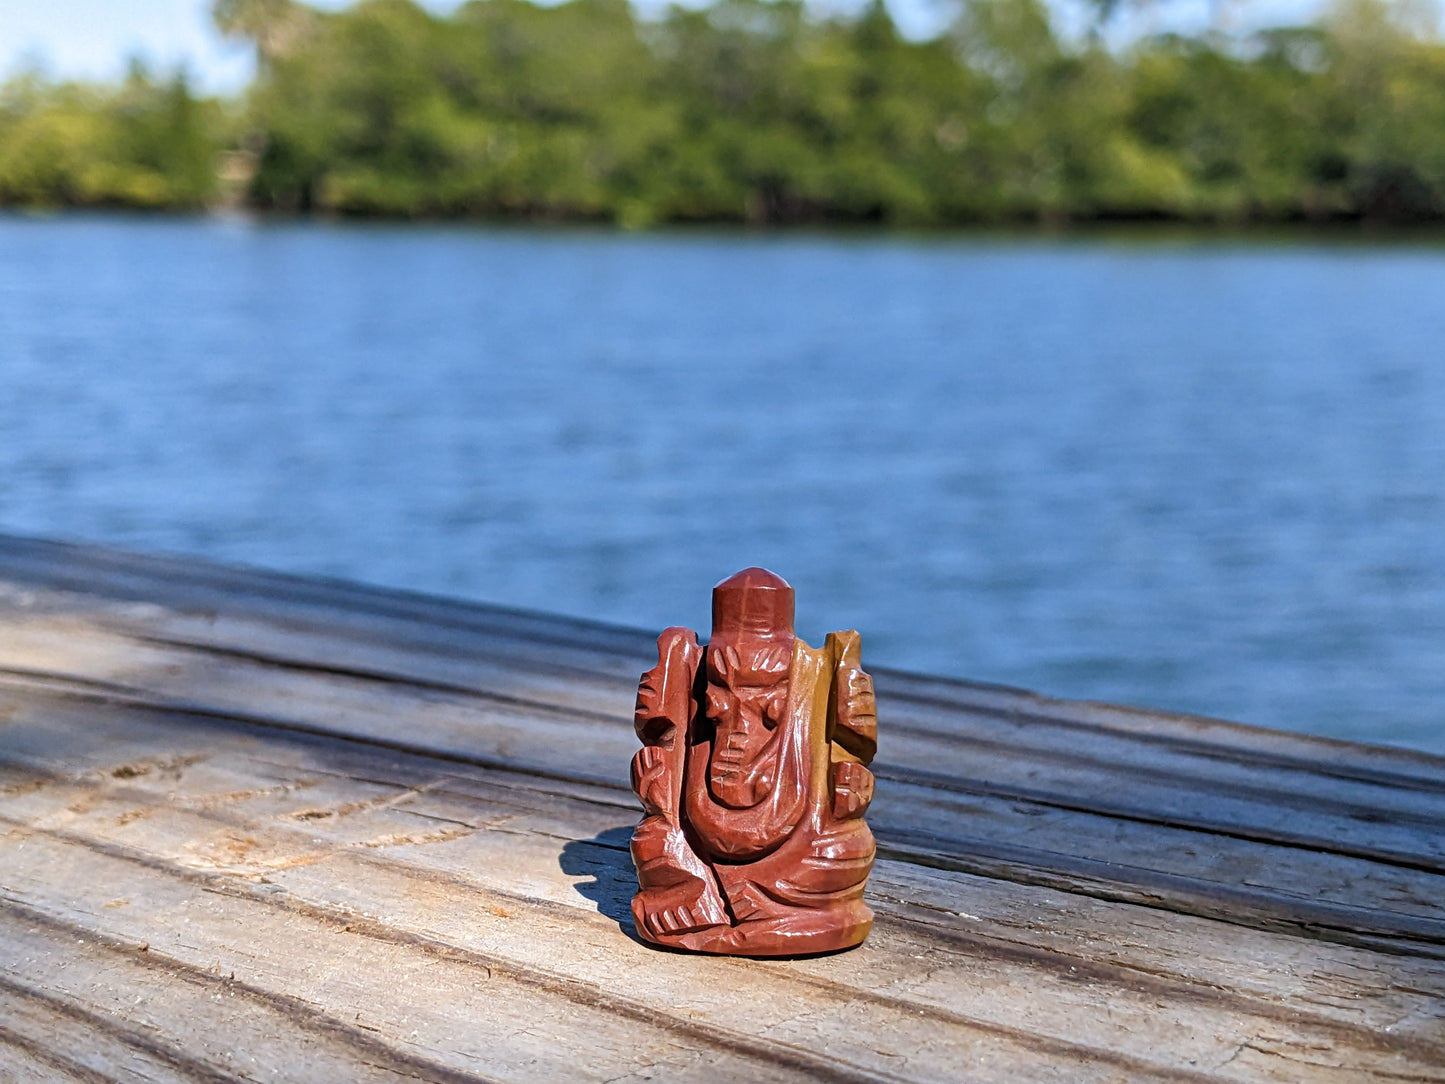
(797, 932)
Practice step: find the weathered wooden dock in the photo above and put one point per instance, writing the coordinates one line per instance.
(255, 827)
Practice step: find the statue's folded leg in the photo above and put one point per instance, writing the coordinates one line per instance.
(796, 931)
(806, 898)
(676, 889)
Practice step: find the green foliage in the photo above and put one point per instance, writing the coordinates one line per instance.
(757, 111)
(144, 144)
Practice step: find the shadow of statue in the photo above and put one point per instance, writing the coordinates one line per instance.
(606, 859)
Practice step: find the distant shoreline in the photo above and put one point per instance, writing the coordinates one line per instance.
(1346, 232)
(760, 113)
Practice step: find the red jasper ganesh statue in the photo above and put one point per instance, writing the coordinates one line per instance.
(754, 783)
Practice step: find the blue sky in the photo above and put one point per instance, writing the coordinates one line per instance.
(92, 38)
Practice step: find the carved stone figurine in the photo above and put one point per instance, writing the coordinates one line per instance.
(754, 783)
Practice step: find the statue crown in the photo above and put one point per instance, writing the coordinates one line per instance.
(753, 604)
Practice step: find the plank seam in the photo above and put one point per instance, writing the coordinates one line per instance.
(295, 1009)
(416, 607)
(135, 1040)
(1079, 968)
(1024, 867)
(590, 995)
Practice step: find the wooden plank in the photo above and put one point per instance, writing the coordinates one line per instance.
(500, 663)
(472, 629)
(143, 756)
(153, 805)
(1406, 836)
(108, 1010)
(375, 803)
(502, 668)
(32, 1046)
(1374, 873)
(402, 926)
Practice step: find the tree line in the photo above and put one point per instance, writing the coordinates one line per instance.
(758, 111)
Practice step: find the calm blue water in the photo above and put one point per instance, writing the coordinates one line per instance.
(1203, 476)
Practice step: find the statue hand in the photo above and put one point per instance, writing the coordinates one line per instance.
(852, 789)
(650, 780)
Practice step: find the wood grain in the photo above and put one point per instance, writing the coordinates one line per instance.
(260, 827)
